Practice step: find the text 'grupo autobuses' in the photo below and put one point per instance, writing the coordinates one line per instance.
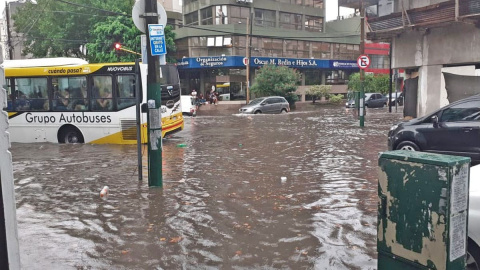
(71, 119)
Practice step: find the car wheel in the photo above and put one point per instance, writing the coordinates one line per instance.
(408, 145)
(283, 111)
(473, 256)
(258, 112)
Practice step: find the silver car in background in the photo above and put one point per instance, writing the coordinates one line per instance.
(272, 104)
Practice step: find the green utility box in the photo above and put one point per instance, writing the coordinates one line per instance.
(422, 211)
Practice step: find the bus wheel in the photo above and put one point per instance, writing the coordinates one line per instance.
(70, 134)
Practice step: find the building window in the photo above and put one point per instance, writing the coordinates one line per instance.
(264, 18)
(379, 61)
(272, 47)
(321, 50)
(191, 18)
(295, 2)
(207, 16)
(239, 14)
(314, 3)
(290, 21)
(221, 15)
(313, 24)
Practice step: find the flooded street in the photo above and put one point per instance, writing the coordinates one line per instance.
(225, 203)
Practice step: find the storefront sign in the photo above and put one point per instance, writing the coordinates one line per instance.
(239, 62)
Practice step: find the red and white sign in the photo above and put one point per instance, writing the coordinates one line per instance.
(245, 61)
(363, 61)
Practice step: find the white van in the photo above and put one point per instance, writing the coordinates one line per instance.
(188, 105)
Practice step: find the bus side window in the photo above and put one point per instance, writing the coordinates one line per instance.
(102, 98)
(9, 95)
(126, 91)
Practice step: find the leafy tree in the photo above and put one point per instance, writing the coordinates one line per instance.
(372, 83)
(319, 91)
(61, 28)
(336, 99)
(274, 80)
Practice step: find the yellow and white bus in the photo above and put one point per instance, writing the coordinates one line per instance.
(68, 100)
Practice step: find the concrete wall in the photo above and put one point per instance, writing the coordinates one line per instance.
(7, 187)
(431, 50)
(462, 70)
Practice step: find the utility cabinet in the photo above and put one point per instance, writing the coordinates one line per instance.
(422, 210)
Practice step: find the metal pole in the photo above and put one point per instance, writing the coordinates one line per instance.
(390, 86)
(154, 101)
(138, 96)
(248, 56)
(9, 33)
(362, 71)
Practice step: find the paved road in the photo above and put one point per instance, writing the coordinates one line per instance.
(224, 203)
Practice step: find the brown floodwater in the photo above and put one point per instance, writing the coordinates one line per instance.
(289, 191)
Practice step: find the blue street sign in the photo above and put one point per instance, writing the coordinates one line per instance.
(157, 39)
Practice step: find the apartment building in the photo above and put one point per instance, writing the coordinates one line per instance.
(212, 45)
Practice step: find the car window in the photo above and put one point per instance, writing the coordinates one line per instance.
(467, 111)
(256, 101)
(270, 101)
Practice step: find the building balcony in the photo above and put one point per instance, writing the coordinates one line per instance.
(355, 3)
(438, 15)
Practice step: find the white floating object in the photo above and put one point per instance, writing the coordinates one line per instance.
(284, 179)
(104, 193)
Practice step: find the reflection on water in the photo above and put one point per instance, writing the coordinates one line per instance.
(224, 203)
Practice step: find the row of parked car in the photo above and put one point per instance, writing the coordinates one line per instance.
(377, 100)
(451, 130)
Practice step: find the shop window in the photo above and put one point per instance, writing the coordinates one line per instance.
(313, 77)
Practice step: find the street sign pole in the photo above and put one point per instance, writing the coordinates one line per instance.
(154, 101)
(362, 70)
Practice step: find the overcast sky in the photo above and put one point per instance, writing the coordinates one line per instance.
(331, 11)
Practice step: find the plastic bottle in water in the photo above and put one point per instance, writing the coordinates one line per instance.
(104, 193)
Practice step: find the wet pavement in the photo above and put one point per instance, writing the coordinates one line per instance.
(290, 191)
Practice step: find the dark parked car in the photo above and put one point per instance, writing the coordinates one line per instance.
(452, 130)
(271, 104)
(397, 98)
(372, 100)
